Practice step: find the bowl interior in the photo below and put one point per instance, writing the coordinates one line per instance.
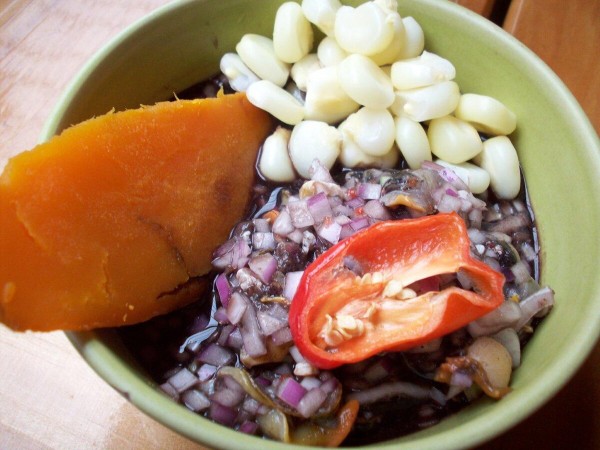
(181, 44)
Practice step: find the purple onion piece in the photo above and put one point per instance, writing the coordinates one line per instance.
(330, 231)
(319, 207)
(216, 355)
(222, 414)
(264, 266)
(206, 371)
(318, 172)
(269, 324)
(369, 191)
(223, 288)
(182, 380)
(248, 427)
(291, 392)
(283, 224)
(359, 223)
(282, 336)
(300, 214)
(195, 400)
(237, 307)
(263, 241)
(311, 402)
(254, 340)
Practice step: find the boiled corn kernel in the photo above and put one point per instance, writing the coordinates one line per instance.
(453, 140)
(414, 39)
(373, 130)
(321, 13)
(292, 33)
(238, 74)
(278, 102)
(325, 99)
(312, 140)
(424, 70)
(275, 163)
(486, 114)
(303, 68)
(258, 53)
(412, 141)
(330, 53)
(475, 177)
(366, 29)
(499, 158)
(365, 82)
(426, 103)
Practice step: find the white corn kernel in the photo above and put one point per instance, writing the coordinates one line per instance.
(486, 114)
(494, 360)
(373, 130)
(393, 51)
(258, 54)
(499, 158)
(278, 102)
(475, 177)
(303, 68)
(325, 99)
(321, 13)
(275, 163)
(365, 29)
(414, 39)
(330, 53)
(365, 82)
(424, 70)
(238, 74)
(312, 140)
(453, 140)
(292, 33)
(428, 102)
(352, 156)
(412, 141)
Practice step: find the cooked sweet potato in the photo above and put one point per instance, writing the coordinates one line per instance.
(115, 220)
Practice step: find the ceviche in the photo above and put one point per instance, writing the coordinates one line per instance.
(386, 273)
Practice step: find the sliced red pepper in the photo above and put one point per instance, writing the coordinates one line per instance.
(338, 317)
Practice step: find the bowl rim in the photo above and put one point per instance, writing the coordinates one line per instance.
(478, 430)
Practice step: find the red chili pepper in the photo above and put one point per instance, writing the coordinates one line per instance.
(339, 317)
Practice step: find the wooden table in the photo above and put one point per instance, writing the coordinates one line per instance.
(49, 397)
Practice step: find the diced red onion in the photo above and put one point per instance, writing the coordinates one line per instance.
(521, 271)
(247, 279)
(300, 214)
(228, 397)
(330, 385)
(264, 266)
(448, 204)
(221, 315)
(295, 353)
(318, 172)
(224, 335)
(251, 405)
(461, 379)
(330, 231)
(292, 280)
(305, 369)
(222, 414)
(277, 311)
(168, 389)
(223, 288)
(283, 224)
(342, 219)
(369, 191)
(263, 241)
(308, 241)
(534, 304)
(359, 223)
(195, 400)
(269, 324)
(508, 314)
(376, 210)
(319, 207)
(346, 231)
(343, 210)
(309, 383)
(248, 427)
(451, 192)
(261, 225)
(262, 381)
(216, 355)
(232, 255)
(291, 392)
(235, 340)
(182, 380)
(282, 336)
(206, 371)
(311, 402)
(295, 236)
(251, 335)
(437, 396)
(354, 203)
(238, 303)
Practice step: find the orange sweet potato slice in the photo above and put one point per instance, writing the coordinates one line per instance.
(115, 220)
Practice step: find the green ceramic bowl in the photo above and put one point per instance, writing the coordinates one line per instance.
(181, 44)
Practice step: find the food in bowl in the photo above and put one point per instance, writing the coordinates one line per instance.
(313, 364)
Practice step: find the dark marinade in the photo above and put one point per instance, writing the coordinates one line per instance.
(168, 343)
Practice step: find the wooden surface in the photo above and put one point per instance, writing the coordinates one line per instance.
(49, 397)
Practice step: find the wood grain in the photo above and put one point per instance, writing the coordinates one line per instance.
(49, 397)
